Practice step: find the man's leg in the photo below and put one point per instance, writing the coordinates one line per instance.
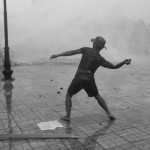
(103, 104)
(74, 88)
(68, 103)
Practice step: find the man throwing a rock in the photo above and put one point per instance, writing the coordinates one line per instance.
(84, 77)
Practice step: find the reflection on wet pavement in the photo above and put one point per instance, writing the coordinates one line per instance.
(8, 87)
(33, 99)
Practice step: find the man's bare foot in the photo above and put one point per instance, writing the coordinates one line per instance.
(65, 118)
(111, 117)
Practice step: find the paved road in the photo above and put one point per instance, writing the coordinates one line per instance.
(38, 94)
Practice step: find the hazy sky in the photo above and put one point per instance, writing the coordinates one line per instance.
(39, 28)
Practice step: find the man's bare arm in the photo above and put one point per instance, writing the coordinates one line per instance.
(67, 53)
(112, 66)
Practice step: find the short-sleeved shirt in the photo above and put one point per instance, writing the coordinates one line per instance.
(91, 60)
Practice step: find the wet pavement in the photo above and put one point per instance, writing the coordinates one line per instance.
(38, 94)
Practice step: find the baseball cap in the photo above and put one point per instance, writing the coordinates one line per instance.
(99, 41)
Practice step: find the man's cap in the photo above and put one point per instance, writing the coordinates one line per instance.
(99, 41)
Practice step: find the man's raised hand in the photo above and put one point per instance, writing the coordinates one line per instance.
(127, 61)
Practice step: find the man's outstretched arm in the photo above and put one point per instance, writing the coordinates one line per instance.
(67, 53)
(109, 65)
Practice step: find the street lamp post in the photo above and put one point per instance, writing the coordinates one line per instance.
(7, 65)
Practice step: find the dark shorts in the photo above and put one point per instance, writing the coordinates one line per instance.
(85, 82)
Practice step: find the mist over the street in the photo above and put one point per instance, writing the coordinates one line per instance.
(37, 29)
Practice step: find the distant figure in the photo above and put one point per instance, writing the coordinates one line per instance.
(84, 77)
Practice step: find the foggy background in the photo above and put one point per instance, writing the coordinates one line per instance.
(39, 28)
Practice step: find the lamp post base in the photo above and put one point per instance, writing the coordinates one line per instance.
(7, 74)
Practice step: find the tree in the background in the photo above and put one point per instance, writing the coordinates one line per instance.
(130, 35)
(140, 40)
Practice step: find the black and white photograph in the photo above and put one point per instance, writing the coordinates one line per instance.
(74, 75)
